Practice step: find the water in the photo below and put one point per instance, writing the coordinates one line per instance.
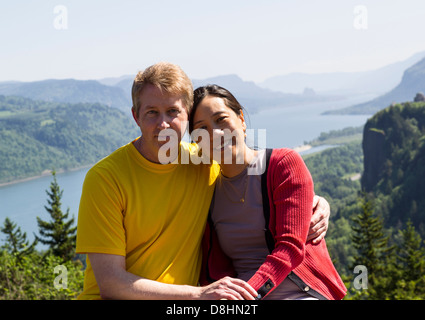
(292, 126)
(287, 127)
(24, 201)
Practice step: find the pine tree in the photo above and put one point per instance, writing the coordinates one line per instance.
(17, 243)
(59, 234)
(411, 253)
(372, 251)
(411, 265)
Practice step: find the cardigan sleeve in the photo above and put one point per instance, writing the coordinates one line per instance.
(290, 190)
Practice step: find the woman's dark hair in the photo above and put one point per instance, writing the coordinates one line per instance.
(215, 91)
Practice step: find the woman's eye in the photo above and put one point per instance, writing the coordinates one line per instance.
(221, 119)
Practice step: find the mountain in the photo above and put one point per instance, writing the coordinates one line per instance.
(394, 163)
(377, 81)
(37, 135)
(70, 91)
(248, 93)
(116, 92)
(254, 97)
(413, 82)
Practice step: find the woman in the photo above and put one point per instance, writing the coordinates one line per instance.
(261, 221)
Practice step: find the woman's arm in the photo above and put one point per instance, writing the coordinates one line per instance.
(291, 192)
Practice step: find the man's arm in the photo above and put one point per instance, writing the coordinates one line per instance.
(319, 220)
(116, 283)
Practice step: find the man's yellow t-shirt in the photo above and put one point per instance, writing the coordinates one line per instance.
(152, 214)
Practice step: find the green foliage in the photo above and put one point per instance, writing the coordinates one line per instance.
(60, 233)
(394, 271)
(55, 274)
(411, 254)
(38, 135)
(409, 275)
(16, 241)
(34, 277)
(334, 136)
(394, 158)
(371, 233)
(333, 171)
(341, 250)
(70, 91)
(372, 250)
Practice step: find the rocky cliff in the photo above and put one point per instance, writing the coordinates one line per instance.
(394, 161)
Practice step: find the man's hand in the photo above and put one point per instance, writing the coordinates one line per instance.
(228, 289)
(319, 220)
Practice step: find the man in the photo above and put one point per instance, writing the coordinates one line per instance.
(141, 222)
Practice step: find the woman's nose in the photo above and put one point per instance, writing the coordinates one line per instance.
(216, 136)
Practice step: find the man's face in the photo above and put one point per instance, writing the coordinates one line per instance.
(158, 111)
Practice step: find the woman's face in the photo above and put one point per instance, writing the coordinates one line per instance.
(223, 131)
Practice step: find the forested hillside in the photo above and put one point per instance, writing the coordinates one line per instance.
(70, 91)
(394, 166)
(378, 223)
(37, 135)
(335, 173)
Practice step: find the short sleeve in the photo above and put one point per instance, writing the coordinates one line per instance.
(100, 226)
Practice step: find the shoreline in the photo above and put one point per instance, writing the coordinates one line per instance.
(299, 149)
(302, 148)
(45, 173)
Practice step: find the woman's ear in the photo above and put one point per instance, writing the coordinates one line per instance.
(242, 118)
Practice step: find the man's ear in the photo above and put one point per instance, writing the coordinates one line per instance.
(134, 113)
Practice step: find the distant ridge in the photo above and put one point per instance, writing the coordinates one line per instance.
(413, 82)
(378, 81)
(252, 96)
(116, 92)
(256, 98)
(69, 91)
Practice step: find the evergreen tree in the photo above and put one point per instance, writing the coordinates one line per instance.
(59, 233)
(411, 254)
(410, 280)
(16, 241)
(372, 251)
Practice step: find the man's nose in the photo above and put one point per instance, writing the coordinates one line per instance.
(163, 122)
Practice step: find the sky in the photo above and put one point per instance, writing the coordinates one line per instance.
(59, 39)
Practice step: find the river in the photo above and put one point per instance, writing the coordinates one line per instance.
(286, 127)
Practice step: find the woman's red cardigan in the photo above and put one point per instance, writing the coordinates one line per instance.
(290, 193)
